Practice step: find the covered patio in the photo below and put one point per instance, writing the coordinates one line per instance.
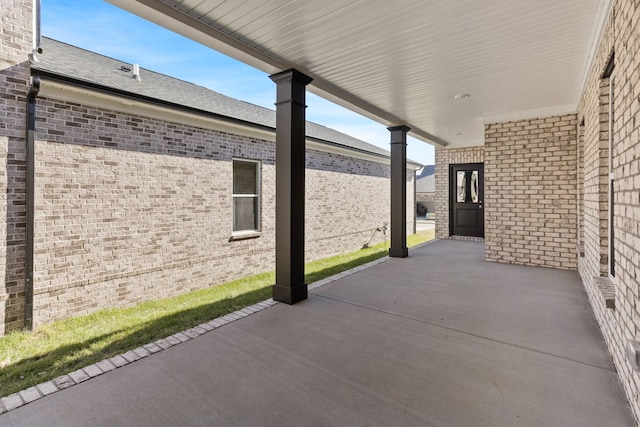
(537, 100)
(441, 338)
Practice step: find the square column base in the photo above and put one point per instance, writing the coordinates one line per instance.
(399, 252)
(289, 295)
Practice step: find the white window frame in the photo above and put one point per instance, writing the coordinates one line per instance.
(248, 232)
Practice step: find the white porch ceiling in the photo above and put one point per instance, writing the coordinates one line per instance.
(403, 61)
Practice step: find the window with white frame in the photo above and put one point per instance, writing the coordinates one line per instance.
(246, 195)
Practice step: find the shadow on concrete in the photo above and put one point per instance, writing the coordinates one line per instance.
(65, 359)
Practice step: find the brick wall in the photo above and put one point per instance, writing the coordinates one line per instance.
(443, 158)
(622, 323)
(425, 197)
(130, 208)
(580, 187)
(530, 192)
(15, 46)
(346, 200)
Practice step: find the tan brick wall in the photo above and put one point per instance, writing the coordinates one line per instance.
(130, 208)
(443, 158)
(425, 197)
(15, 46)
(580, 186)
(345, 202)
(530, 192)
(621, 324)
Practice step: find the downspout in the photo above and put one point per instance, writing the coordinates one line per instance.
(29, 201)
(37, 30)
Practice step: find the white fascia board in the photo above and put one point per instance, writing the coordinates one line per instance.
(604, 12)
(85, 96)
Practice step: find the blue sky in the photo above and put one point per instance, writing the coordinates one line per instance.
(100, 27)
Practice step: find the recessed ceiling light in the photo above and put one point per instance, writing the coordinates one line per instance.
(462, 96)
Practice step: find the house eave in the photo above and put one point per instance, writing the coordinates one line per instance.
(82, 92)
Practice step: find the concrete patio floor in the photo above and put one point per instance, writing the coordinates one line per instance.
(441, 338)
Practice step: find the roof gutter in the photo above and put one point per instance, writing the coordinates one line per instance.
(29, 202)
(137, 97)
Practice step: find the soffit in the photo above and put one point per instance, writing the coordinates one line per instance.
(403, 61)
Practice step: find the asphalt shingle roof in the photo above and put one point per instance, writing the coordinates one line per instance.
(425, 182)
(427, 170)
(68, 61)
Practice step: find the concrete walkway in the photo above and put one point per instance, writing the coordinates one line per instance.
(425, 224)
(441, 338)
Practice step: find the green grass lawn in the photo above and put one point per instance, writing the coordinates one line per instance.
(29, 358)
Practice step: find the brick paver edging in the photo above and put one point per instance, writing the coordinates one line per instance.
(41, 390)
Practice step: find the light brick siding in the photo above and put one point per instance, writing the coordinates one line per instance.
(425, 197)
(15, 46)
(621, 324)
(443, 158)
(130, 208)
(425, 203)
(580, 187)
(346, 200)
(530, 192)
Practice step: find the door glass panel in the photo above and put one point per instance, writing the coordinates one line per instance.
(474, 186)
(462, 187)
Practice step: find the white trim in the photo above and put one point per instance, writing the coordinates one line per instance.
(94, 98)
(244, 235)
(604, 12)
(258, 196)
(556, 110)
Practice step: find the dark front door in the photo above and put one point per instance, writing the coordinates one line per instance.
(466, 184)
